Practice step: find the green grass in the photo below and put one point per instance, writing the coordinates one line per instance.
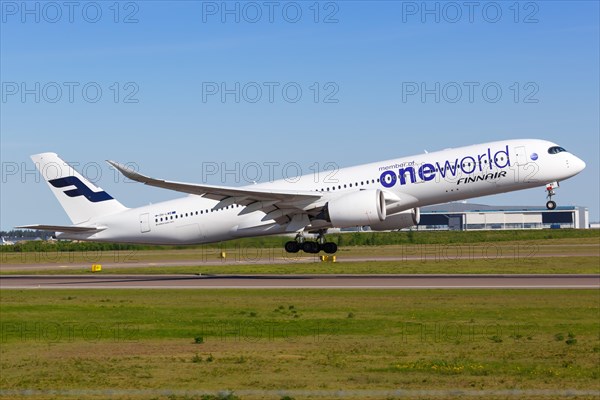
(541, 265)
(567, 255)
(299, 340)
(345, 239)
(569, 246)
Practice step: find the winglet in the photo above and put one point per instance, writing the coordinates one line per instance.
(129, 172)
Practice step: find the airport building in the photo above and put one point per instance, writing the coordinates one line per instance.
(466, 216)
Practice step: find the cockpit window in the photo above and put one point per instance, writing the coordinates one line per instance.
(555, 150)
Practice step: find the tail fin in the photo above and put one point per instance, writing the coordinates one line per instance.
(81, 199)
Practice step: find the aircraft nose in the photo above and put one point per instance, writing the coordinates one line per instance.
(578, 164)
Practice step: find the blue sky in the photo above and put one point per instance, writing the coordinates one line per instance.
(161, 68)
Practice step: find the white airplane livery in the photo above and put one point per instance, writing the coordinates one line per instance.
(384, 195)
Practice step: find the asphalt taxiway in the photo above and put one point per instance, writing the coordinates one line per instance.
(102, 281)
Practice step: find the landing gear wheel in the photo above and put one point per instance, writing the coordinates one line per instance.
(311, 247)
(329, 247)
(551, 205)
(292, 246)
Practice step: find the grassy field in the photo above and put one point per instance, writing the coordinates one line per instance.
(342, 239)
(565, 246)
(562, 255)
(268, 343)
(358, 242)
(541, 265)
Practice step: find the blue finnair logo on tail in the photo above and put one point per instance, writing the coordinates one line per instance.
(82, 189)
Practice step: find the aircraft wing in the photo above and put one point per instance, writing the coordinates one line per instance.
(280, 205)
(59, 228)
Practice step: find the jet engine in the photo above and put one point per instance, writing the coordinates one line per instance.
(361, 208)
(404, 219)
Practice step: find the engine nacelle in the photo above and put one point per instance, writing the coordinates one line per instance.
(401, 220)
(361, 208)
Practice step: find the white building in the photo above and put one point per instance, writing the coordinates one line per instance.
(465, 216)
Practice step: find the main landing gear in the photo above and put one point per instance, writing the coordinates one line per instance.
(308, 246)
(550, 204)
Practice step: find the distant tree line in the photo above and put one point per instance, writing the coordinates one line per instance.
(26, 234)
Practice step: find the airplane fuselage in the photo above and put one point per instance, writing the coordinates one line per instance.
(415, 181)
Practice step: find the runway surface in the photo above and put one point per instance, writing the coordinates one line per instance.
(300, 282)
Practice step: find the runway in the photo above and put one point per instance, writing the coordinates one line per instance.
(300, 282)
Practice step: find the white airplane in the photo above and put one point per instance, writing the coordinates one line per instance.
(6, 242)
(385, 195)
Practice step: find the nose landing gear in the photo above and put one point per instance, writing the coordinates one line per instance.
(550, 204)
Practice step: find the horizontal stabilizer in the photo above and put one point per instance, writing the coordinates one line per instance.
(59, 228)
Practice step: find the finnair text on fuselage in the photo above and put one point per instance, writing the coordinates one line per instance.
(411, 172)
